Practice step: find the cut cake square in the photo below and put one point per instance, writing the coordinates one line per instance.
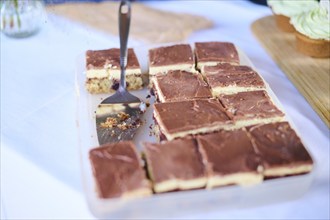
(175, 57)
(118, 171)
(180, 85)
(229, 79)
(249, 108)
(213, 53)
(175, 165)
(179, 119)
(103, 71)
(281, 150)
(230, 158)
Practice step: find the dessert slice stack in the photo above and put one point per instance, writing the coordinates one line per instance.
(216, 123)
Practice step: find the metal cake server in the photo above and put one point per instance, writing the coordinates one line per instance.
(118, 116)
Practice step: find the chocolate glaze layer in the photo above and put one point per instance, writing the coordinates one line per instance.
(223, 67)
(279, 145)
(249, 105)
(117, 169)
(181, 85)
(171, 55)
(98, 59)
(217, 52)
(230, 75)
(175, 117)
(228, 152)
(177, 159)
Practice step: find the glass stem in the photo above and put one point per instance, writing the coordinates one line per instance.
(17, 14)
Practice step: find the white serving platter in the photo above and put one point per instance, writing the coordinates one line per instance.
(172, 204)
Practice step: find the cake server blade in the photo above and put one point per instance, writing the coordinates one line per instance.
(119, 116)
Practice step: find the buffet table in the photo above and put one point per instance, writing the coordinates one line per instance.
(40, 161)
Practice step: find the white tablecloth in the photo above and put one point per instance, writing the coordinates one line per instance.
(40, 168)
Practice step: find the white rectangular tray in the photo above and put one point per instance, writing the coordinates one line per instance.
(171, 204)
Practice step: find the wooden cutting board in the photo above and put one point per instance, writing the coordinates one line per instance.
(148, 24)
(311, 76)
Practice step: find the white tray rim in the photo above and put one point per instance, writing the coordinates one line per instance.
(223, 198)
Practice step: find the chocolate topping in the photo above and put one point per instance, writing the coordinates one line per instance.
(99, 59)
(224, 67)
(178, 159)
(249, 105)
(230, 75)
(217, 52)
(190, 115)
(171, 55)
(117, 169)
(228, 152)
(181, 85)
(279, 145)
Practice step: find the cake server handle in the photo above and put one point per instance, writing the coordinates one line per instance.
(124, 25)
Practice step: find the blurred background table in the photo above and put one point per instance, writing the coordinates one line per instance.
(40, 172)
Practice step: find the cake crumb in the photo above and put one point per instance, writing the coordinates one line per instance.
(123, 126)
(109, 123)
(122, 116)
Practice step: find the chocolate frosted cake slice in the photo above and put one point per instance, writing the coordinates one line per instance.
(180, 85)
(175, 57)
(118, 171)
(249, 108)
(281, 150)
(229, 79)
(175, 165)
(103, 71)
(179, 119)
(213, 53)
(230, 158)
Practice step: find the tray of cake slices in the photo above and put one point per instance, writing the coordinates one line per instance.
(214, 135)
